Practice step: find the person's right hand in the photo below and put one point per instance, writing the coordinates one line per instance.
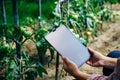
(96, 59)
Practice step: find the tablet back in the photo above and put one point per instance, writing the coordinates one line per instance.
(66, 44)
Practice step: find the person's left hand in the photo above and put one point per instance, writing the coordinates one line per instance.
(70, 67)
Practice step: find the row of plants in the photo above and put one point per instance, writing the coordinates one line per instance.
(82, 17)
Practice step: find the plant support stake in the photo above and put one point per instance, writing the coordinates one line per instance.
(39, 19)
(4, 25)
(58, 10)
(18, 45)
(85, 12)
(3, 13)
(39, 12)
(39, 8)
(57, 66)
(15, 12)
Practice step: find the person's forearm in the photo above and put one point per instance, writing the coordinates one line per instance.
(81, 76)
(110, 62)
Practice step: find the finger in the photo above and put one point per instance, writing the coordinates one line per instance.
(88, 62)
(65, 60)
(68, 61)
(92, 51)
(64, 65)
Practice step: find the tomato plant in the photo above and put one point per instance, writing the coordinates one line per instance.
(8, 53)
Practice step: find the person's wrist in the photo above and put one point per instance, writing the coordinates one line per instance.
(78, 75)
(105, 61)
(109, 62)
(81, 75)
(75, 73)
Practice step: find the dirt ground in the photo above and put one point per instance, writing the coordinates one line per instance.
(108, 40)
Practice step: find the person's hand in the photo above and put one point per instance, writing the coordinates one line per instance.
(97, 59)
(72, 69)
(69, 66)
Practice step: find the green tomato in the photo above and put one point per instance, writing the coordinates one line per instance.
(83, 41)
(55, 2)
(23, 63)
(75, 16)
(57, 15)
(27, 33)
(90, 29)
(88, 33)
(22, 29)
(6, 47)
(63, 21)
(9, 33)
(72, 12)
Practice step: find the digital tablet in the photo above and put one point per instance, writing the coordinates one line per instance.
(66, 44)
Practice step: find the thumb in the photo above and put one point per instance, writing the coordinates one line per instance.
(92, 52)
(65, 59)
(65, 63)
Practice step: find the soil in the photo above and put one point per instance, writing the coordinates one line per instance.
(107, 40)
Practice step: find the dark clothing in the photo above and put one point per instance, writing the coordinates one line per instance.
(113, 54)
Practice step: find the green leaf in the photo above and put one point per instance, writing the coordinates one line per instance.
(42, 48)
(89, 22)
(40, 69)
(12, 65)
(31, 75)
(38, 44)
(83, 41)
(25, 55)
(51, 55)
